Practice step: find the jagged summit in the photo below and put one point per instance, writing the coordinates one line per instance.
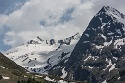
(113, 13)
(67, 40)
(39, 55)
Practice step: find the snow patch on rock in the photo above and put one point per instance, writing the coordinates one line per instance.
(64, 73)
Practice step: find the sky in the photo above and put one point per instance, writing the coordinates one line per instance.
(23, 20)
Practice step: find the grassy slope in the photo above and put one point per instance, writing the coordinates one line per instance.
(15, 72)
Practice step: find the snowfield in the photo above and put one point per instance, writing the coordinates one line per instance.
(40, 55)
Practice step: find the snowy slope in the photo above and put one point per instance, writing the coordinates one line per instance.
(40, 55)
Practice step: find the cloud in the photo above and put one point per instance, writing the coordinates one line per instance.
(25, 22)
(51, 19)
(2, 34)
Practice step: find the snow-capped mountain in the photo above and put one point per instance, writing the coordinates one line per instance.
(40, 55)
(99, 56)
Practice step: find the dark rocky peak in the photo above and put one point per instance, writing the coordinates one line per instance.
(102, 31)
(105, 25)
(99, 51)
(111, 12)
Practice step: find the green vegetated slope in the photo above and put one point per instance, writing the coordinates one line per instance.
(10, 72)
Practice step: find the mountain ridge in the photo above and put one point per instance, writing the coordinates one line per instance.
(40, 55)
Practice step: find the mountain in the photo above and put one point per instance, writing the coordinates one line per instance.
(40, 55)
(10, 72)
(99, 55)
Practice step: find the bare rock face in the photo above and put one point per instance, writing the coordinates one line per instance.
(99, 56)
(1, 77)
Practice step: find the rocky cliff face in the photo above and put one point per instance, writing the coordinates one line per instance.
(99, 56)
